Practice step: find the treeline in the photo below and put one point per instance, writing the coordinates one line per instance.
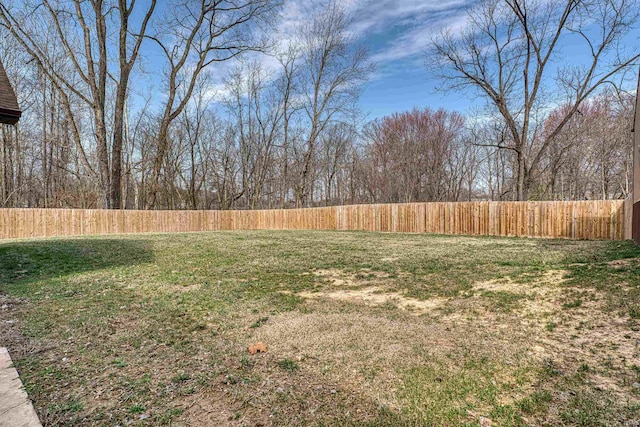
(121, 110)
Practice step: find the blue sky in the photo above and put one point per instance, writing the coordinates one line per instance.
(397, 33)
(406, 84)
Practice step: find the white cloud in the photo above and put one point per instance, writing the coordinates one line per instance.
(380, 15)
(403, 27)
(394, 30)
(417, 30)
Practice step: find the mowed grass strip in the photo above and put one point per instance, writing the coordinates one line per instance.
(363, 329)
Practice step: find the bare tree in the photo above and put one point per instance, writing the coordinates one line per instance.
(127, 58)
(74, 56)
(591, 156)
(418, 156)
(194, 138)
(256, 109)
(332, 72)
(335, 145)
(194, 35)
(507, 54)
(286, 87)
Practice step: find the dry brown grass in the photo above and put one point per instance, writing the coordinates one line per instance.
(365, 329)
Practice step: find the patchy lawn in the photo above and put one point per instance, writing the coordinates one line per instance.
(363, 329)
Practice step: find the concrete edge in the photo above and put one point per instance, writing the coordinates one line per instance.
(16, 409)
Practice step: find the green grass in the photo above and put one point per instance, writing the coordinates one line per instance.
(363, 329)
(288, 365)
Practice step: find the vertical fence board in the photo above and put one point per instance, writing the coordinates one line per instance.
(598, 219)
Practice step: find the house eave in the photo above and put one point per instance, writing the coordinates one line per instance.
(9, 117)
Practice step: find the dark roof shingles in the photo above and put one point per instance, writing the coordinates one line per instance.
(9, 109)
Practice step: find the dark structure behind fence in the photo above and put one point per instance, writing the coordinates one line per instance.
(9, 111)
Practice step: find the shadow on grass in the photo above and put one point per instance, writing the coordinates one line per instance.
(584, 251)
(28, 261)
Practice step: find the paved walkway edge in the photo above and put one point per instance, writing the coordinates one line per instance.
(16, 409)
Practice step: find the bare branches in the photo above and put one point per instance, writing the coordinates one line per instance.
(74, 56)
(333, 70)
(207, 32)
(505, 54)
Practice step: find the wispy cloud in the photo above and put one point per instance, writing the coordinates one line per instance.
(393, 29)
(407, 28)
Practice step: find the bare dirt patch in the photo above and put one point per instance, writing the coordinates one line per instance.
(368, 287)
(336, 277)
(542, 292)
(586, 337)
(362, 277)
(10, 334)
(503, 333)
(590, 338)
(378, 296)
(623, 263)
(538, 284)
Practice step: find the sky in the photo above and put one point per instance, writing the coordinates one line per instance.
(396, 34)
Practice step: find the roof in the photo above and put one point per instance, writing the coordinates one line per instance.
(9, 110)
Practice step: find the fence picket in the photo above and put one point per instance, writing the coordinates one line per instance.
(599, 219)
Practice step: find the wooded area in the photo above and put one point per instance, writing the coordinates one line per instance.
(123, 108)
(599, 219)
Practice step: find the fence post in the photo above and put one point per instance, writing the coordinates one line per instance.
(635, 223)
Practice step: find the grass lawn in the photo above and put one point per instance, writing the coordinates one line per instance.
(363, 329)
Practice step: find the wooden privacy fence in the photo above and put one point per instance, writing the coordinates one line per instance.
(599, 219)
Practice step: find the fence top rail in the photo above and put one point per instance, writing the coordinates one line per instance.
(586, 219)
(358, 205)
